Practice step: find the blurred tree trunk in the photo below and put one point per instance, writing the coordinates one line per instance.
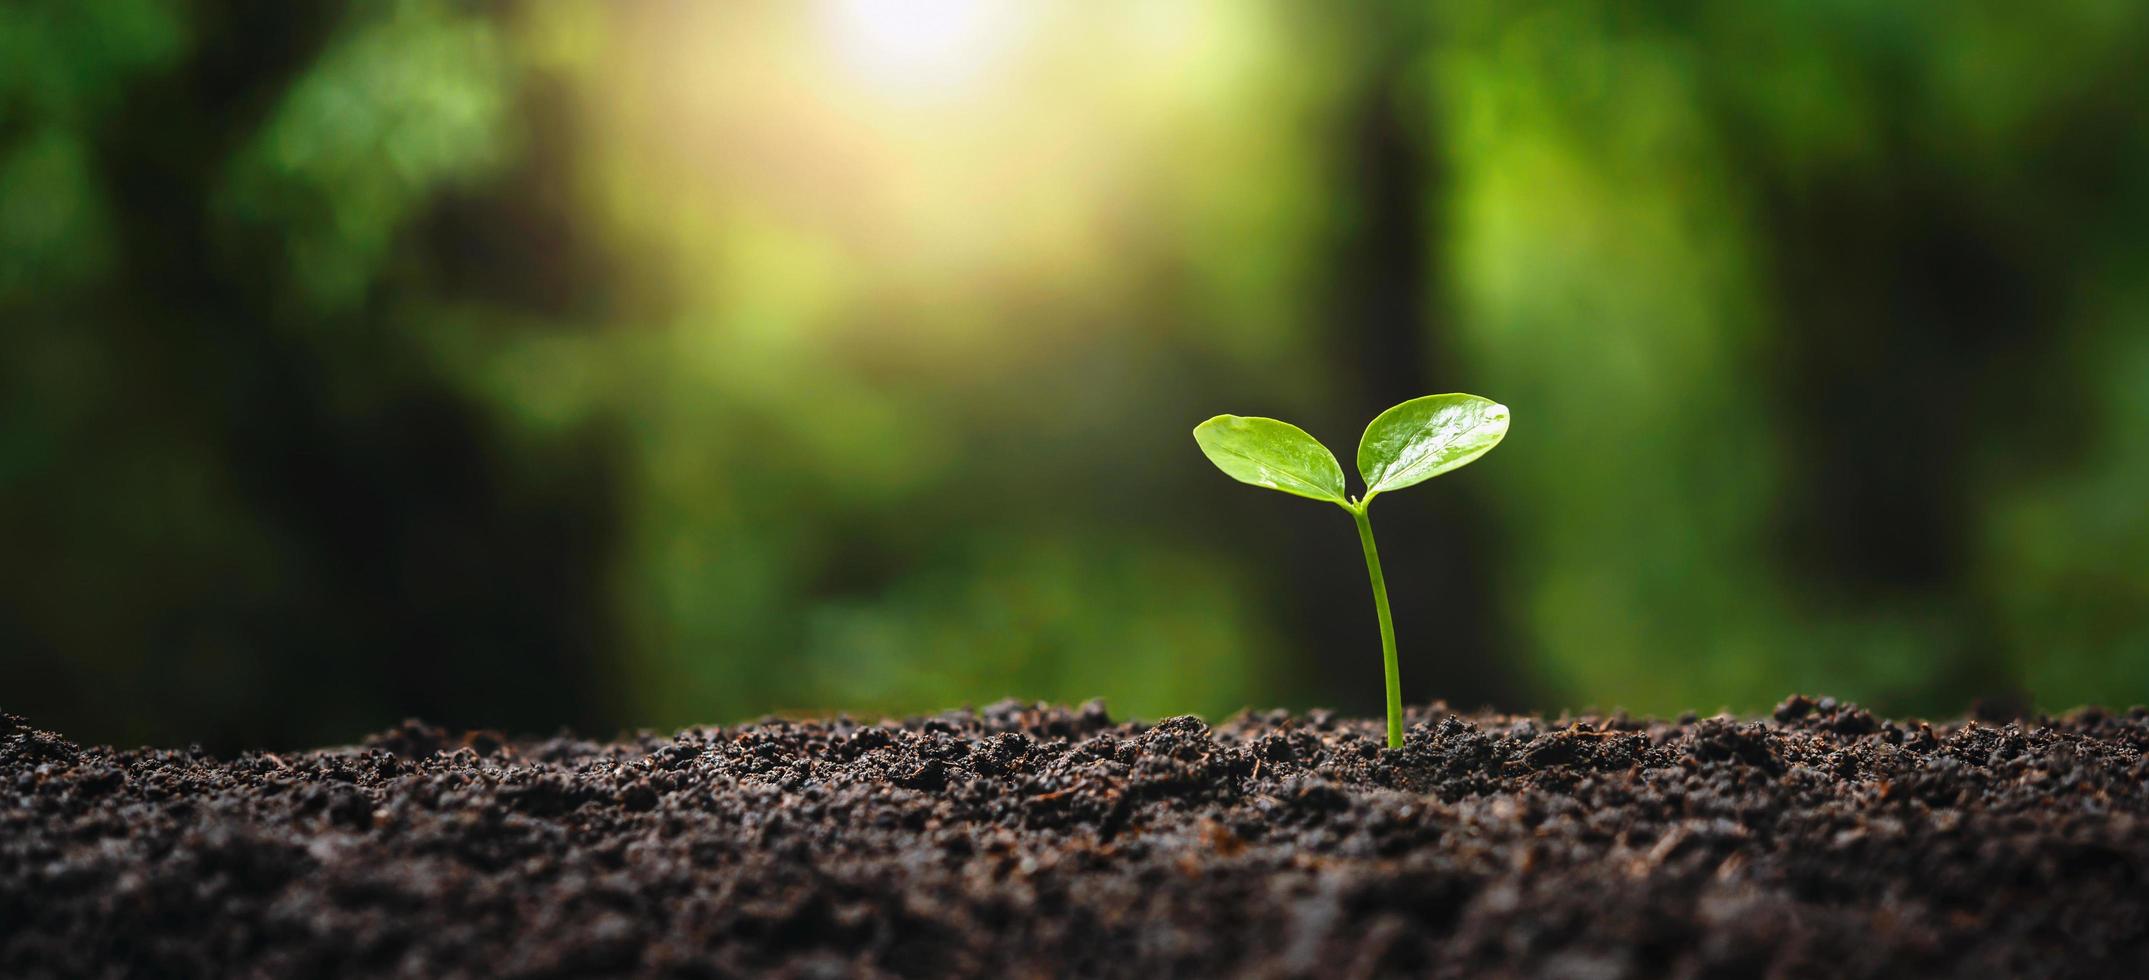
(1391, 330)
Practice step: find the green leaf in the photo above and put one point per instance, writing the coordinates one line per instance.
(1425, 437)
(1272, 454)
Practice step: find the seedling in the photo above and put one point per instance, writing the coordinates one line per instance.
(1406, 445)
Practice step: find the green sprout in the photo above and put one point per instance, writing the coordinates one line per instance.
(1407, 445)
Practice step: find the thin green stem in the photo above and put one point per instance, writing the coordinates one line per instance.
(1387, 624)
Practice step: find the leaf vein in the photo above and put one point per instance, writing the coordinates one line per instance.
(1302, 479)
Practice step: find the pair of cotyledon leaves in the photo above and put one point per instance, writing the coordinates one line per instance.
(1407, 445)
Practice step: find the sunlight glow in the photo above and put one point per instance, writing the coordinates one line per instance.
(927, 46)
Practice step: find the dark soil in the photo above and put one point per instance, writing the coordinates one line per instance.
(1042, 841)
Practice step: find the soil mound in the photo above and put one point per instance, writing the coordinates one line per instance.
(1035, 840)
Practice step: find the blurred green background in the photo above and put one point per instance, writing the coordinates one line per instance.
(641, 364)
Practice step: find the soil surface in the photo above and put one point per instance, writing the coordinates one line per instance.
(1032, 840)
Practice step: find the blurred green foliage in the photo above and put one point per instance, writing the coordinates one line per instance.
(531, 364)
